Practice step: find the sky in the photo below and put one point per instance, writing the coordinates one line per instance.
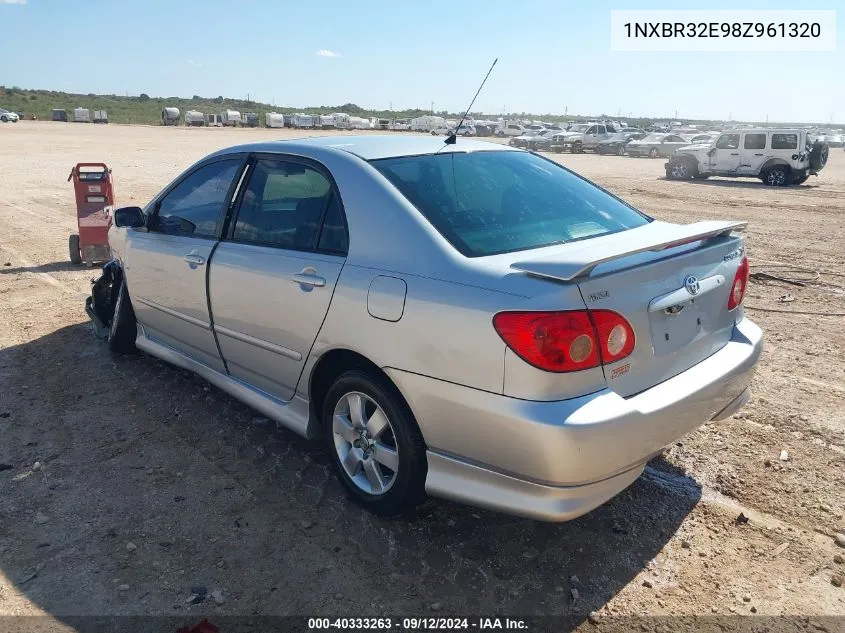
(554, 57)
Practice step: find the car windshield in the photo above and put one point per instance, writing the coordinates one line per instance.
(654, 137)
(485, 203)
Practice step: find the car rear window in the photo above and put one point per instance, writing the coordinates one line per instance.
(485, 203)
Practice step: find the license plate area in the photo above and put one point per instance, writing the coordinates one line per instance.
(678, 326)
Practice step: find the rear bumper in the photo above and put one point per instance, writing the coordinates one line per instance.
(557, 460)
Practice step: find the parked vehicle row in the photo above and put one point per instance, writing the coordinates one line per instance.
(7, 116)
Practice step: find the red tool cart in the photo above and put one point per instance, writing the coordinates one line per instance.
(92, 184)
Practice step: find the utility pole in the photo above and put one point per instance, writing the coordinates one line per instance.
(432, 107)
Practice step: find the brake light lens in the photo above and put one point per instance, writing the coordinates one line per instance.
(566, 341)
(740, 284)
(552, 341)
(615, 333)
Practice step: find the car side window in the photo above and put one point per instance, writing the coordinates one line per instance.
(333, 234)
(591, 129)
(600, 129)
(755, 141)
(728, 141)
(784, 141)
(283, 205)
(195, 206)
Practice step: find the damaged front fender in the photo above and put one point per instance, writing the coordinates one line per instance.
(100, 305)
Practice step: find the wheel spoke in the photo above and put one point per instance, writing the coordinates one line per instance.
(386, 456)
(356, 409)
(373, 472)
(343, 427)
(352, 462)
(376, 424)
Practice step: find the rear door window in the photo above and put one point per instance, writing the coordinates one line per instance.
(284, 205)
(755, 141)
(492, 202)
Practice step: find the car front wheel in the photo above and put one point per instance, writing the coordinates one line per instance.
(376, 448)
(653, 153)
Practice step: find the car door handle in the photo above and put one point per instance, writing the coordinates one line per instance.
(758, 154)
(195, 258)
(308, 279)
(734, 153)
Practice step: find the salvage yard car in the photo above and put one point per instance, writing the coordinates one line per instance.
(778, 157)
(467, 320)
(655, 145)
(7, 116)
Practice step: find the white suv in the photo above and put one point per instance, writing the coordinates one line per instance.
(778, 157)
(6, 116)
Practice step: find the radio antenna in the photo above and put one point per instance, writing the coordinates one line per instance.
(453, 137)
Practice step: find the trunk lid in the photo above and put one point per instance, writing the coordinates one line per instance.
(670, 282)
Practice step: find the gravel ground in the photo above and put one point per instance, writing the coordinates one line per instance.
(150, 481)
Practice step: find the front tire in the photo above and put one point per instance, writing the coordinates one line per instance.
(73, 249)
(620, 151)
(653, 153)
(375, 446)
(123, 329)
(577, 148)
(681, 170)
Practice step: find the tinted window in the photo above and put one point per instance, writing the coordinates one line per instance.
(283, 205)
(755, 141)
(728, 141)
(195, 205)
(494, 202)
(784, 141)
(591, 130)
(333, 235)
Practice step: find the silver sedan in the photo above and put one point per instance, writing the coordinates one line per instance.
(470, 321)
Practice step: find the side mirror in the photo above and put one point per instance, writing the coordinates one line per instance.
(129, 217)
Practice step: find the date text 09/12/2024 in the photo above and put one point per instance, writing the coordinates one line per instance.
(417, 624)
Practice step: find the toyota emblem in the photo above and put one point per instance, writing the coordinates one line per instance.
(692, 285)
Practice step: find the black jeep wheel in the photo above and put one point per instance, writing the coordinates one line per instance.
(777, 176)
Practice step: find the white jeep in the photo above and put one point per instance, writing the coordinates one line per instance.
(778, 157)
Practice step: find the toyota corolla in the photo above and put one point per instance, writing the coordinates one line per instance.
(465, 320)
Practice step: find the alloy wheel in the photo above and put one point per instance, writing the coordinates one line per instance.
(365, 443)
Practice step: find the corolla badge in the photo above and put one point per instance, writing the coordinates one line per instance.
(692, 285)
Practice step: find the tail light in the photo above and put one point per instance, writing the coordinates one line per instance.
(740, 284)
(566, 341)
(614, 333)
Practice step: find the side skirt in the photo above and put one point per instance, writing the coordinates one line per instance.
(293, 414)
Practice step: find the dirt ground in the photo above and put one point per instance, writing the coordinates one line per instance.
(152, 482)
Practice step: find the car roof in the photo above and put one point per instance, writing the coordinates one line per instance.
(371, 146)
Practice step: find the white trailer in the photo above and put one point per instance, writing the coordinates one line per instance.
(427, 123)
(81, 115)
(230, 118)
(101, 116)
(194, 118)
(342, 120)
(303, 120)
(357, 123)
(213, 120)
(272, 119)
(170, 116)
(324, 121)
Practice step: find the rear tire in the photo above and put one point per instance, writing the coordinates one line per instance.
(653, 153)
(73, 249)
(620, 151)
(777, 176)
(124, 327)
(399, 443)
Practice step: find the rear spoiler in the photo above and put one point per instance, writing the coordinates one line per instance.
(580, 259)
